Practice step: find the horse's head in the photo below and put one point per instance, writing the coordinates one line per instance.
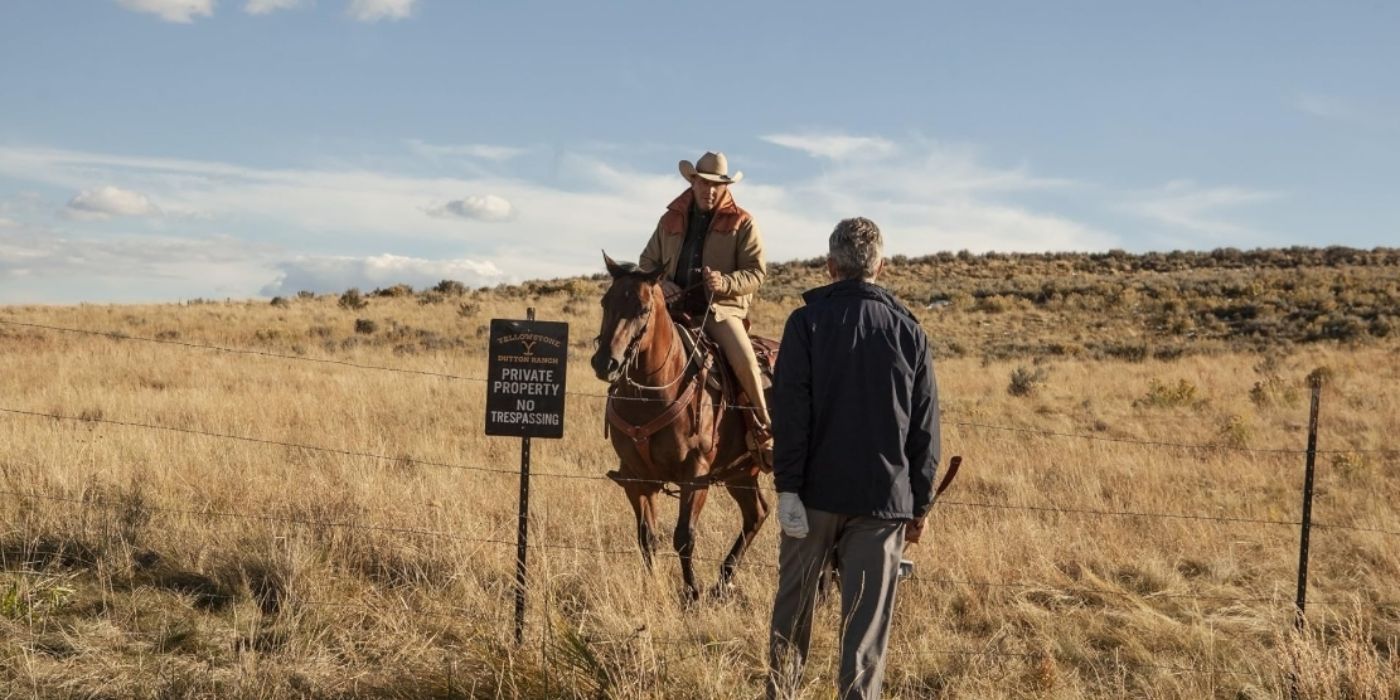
(628, 306)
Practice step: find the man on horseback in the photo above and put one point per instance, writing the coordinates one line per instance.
(713, 257)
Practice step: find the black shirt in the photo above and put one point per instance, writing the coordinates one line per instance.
(692, 258)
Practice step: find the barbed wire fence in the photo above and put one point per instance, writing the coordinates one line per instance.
(89, 501)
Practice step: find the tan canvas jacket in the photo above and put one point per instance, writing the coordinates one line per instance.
(733, 248)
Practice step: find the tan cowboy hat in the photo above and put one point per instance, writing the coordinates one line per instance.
(711, 166)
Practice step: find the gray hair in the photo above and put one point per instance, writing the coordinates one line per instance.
(856, 246)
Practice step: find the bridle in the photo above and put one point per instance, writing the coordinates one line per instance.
(633, 351)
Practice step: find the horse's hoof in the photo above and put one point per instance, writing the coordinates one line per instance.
(690, 595)
(722, 591)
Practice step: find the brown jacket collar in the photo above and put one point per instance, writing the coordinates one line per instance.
(727, 214)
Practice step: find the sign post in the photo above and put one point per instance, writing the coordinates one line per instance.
(525, 398)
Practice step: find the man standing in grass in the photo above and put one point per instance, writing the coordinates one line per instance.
(855, 407)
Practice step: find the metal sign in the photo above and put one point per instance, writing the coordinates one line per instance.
(525, 378)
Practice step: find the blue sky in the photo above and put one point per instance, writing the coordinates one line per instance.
(168, 149)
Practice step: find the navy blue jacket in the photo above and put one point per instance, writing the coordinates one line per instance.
(855, 405)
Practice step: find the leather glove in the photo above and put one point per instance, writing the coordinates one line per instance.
(792, 515)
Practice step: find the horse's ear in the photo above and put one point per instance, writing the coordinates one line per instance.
(655, 275)
(614, 269)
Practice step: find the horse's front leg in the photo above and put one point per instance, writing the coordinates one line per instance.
(642, 497)
(692, 501)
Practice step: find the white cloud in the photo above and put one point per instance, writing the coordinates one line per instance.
(1347, 112)
(479, 207)
(835, 146)
(181, 11)
(45, 265)
(926, 196)
(263, 7)
(8, 223)
(1324, 106)
(338, 273)
(375, 10)
(108, 201)
(472, 150)
(1185, 205)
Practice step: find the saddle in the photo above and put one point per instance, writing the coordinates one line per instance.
(718, 374)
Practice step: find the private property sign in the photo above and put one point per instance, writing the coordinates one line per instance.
(525, 378)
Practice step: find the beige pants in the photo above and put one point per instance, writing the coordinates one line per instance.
(734, 340)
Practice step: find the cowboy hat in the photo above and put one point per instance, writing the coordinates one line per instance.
(711, 166)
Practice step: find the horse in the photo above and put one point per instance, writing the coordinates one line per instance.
(669, 424)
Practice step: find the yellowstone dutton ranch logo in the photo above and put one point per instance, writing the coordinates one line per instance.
(527, 342)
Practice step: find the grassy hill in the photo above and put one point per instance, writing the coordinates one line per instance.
(310, 510)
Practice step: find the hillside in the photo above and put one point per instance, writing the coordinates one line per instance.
(1115, 304)
(244, 499)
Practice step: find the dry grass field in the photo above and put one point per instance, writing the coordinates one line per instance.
(142, 558)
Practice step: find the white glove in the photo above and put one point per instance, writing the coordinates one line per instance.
(792, 515)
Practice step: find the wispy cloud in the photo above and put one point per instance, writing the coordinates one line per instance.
(1345, 111)
(1324, 106)
(1185, 205)
(835, 146)
(43, 264)
(472, 150)
(479, 207)
(263, 7)
(926, 196)
(106, 202)
(375, 10)
(180, 11)
(338, 273)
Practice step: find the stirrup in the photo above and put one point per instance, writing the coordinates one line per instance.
(760, 439)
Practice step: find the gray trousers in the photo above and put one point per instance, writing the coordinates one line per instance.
(869, 550)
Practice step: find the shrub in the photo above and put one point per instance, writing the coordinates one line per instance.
(1168, 353)
(468, 309)
(451, 288)
(431, 298)
(1234, 432)
(303, 294)
(352, 300)
(1131, 352)
(1025, 382)
(990, 305)
(365, 326)
(1163, 395)
(398, 290)
(280, 302)
(1273, 391)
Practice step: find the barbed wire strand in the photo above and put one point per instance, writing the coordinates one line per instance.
(701, 484)
(118, 335)
(88, 502)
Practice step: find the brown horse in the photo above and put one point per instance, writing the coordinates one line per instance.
(667, 424)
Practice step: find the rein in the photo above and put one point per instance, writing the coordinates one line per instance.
(633, 351)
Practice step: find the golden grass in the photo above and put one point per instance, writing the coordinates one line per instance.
(375, 577)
